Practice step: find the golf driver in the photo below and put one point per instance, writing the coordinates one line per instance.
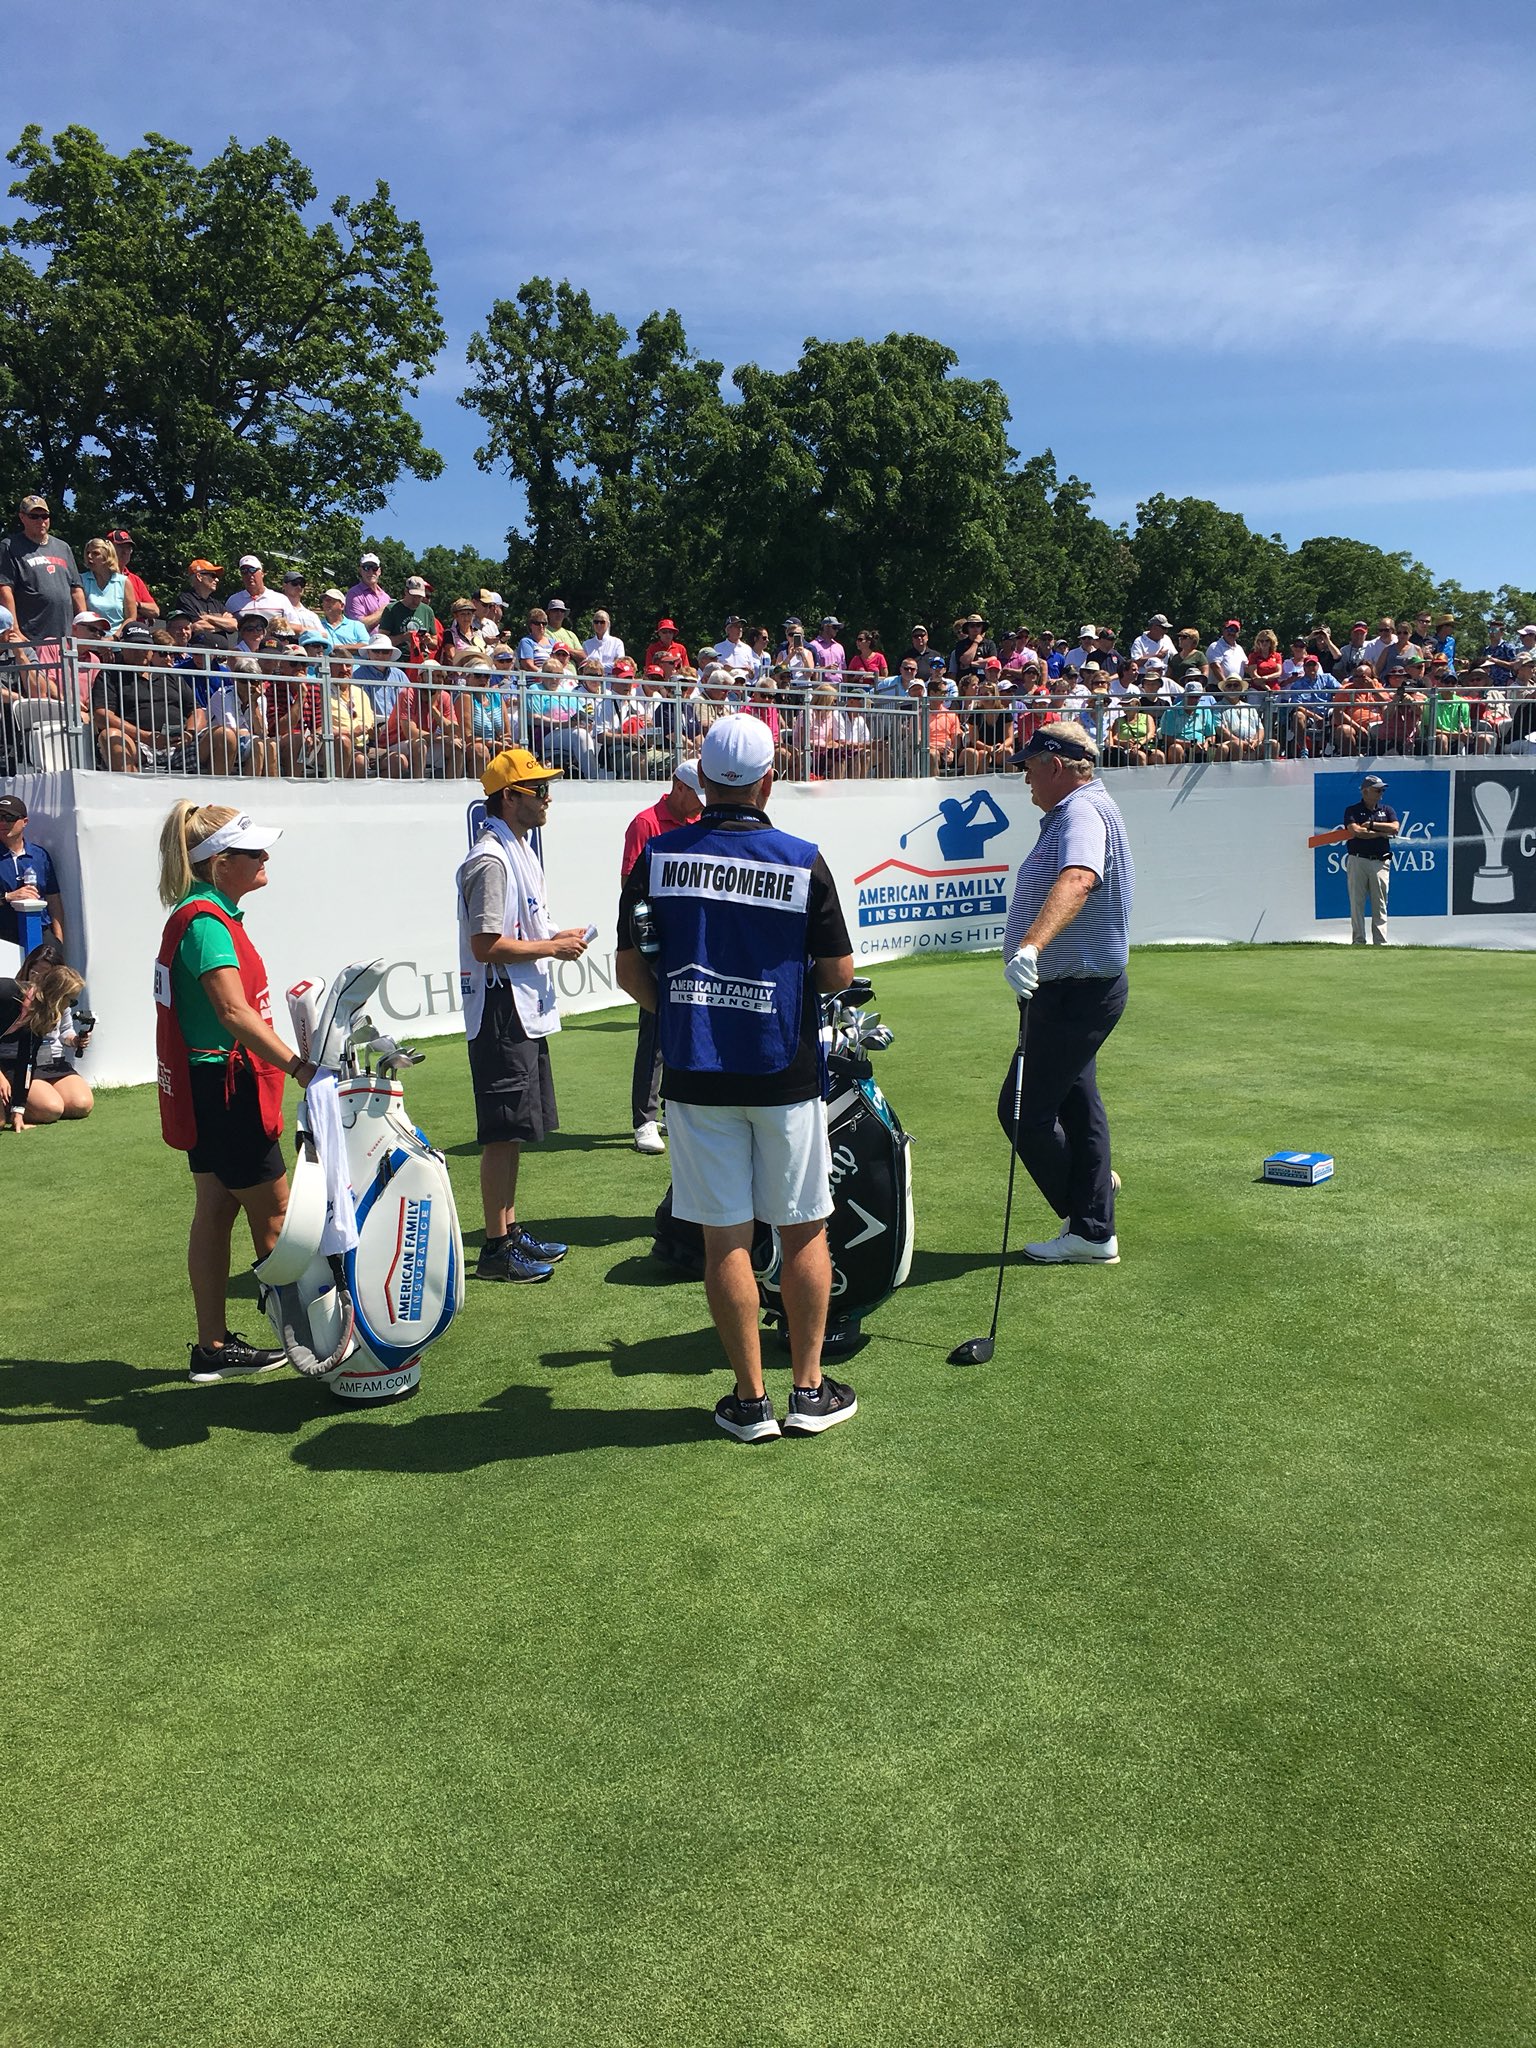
(978, 1350)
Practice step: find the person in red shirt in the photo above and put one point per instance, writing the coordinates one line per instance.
(666, 642)
(681, 804)
(123, 542)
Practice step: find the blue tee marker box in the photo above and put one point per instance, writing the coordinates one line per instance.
(1299, 1169)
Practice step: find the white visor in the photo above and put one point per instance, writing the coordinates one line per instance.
(236, 835)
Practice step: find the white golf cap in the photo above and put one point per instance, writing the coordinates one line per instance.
(687, 773)
(737, 751)
(498, 600)
(250, 561)
(556, 604)
(368, 561)
(1089, 633)
(381, 644)
(236, 835)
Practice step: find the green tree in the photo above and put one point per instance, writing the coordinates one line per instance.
(452, 572)
(1332, 581)
(1069, 567)
(871, 481)
(1200, 565)
(182, 351)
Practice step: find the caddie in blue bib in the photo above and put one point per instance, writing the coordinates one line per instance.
(731, 920)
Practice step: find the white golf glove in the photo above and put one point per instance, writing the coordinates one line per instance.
(1023, 972)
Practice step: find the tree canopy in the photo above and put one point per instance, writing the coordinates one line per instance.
(182, 351)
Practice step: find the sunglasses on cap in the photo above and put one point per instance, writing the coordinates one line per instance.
(1048, 743)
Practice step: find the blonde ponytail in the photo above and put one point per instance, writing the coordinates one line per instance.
(186, 826)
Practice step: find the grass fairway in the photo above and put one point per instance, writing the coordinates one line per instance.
(1166, 1681)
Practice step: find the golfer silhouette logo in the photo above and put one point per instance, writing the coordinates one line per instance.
(963, 832)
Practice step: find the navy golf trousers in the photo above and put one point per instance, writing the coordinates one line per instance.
(645, 1079)
(1063, 1135)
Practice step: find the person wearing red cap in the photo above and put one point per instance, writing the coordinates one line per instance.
(666, 642)
(123, 542)
(1226, 656)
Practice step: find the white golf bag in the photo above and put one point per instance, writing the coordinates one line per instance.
(360, 1317)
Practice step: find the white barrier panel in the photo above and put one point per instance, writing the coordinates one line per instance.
(366, 870)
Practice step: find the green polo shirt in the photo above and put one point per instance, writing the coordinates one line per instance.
(205, 944)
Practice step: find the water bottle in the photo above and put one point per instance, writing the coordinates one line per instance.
(642, 925)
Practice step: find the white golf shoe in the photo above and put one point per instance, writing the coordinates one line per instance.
(649, 1139)
(1068, 1249)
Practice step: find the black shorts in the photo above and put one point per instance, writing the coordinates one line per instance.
(514, 1087)
(231, 1144)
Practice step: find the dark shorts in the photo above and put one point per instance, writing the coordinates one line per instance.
(514, 1086)
(231, 1144)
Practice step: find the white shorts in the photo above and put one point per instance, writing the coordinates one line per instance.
(732, 1163)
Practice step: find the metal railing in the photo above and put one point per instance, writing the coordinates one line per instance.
(154, 710)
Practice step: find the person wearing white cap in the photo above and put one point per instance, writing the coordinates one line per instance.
(221, 1065)
(1087, 641)
(367, 600)
(1154, 641)
(729, 929)
(680, 805)
(253, 594)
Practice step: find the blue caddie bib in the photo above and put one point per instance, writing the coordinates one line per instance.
(732, 917)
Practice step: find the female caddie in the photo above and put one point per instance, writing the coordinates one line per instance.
(221, 1065)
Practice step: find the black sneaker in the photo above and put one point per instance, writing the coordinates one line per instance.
(508, 1261)
(547, 1252)
(234, 1359)
(813, 1409)
(750, 1422)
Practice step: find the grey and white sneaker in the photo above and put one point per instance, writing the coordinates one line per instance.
(1068, 1249)
(813, 1409)
(648, 1139)
(750, 1422)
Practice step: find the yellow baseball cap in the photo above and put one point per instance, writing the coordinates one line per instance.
(512, 765)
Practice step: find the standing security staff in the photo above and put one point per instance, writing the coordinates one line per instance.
(1066, 946)
(728, 928)
(1370, 827)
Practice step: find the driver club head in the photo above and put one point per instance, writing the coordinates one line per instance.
(974, 1351)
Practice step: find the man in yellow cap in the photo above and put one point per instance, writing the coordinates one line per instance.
(507, 944)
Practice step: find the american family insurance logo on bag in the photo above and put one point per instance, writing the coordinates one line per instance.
(903, 904)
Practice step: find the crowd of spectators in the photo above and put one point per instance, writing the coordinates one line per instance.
(357, 682)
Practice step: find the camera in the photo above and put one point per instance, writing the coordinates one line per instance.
(85, 1022)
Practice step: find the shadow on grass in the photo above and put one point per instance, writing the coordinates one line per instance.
(557, 1141)
(686, 1351)
(644, 1271)
(930, 1267)
(521, 1422)
(163, 1409)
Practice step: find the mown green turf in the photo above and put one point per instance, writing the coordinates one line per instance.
(1166, 1681)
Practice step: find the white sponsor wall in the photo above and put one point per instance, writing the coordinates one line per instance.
(366, 871)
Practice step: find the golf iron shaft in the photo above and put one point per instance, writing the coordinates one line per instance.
(977, 1350)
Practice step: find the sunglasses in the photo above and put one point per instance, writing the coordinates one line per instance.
(539, 792)
(247, 853)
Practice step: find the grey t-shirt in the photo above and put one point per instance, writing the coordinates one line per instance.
(1084, 830)
(44, 578)
(483, 885)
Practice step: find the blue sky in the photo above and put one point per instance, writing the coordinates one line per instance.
(1281, 257)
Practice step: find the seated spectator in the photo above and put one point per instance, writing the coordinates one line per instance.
(537, 643)
(107, 590)
(1153, 643)
(344, 632)
(559, 631)
(1307, 702)
(625, 728)
(1240, 734)
(1402, 729)
(353, 719)
(453, 749)
(1264, 669)
(253, 594)
(1133, 739)
(1110, 658)
(605, 644)
(1188, 661)
(666, 643)
(1085, 650)
(820, 734)
(31, 1008)
(463, 643)
(214, 622)
(1401, 654)
(141, 716)
(945, 734)
(1448, 724)
(58, 1049)
(367, 601)
(763, 698)
(1225, 655)
(733, 653)
(228, 729)
(1522, 706)
(143, 596)
(1358, 706)
(1155, 676)
(489, 607)
(1353, 653)
(398, 743)
(868, 659)
(1489, 702)
(559, 715)
(986, 722)
(830, 656)
(1187, 729)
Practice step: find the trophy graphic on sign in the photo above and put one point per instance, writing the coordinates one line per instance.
(1493, 882)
